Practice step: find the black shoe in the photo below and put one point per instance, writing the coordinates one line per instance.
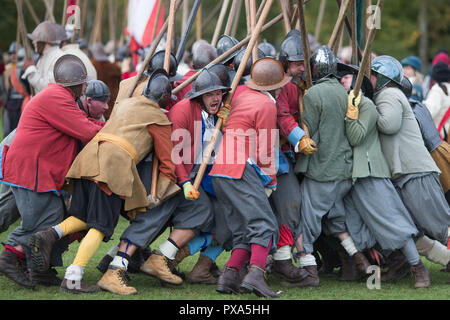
(11, 268)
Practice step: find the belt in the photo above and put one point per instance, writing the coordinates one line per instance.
(122, 143)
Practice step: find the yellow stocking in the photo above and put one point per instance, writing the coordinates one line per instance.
(88, 247)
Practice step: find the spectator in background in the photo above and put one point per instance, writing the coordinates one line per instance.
(438, 99)
(412, 69)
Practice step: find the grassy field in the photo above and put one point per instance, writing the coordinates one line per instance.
(150, 289)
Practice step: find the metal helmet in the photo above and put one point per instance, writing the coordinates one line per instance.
(202, 54)
(98, 52)
(157, 62)
(407, 87)
(291, 50)
(248, 67)
(13, 47)
(323, 63)
(387, 69)
(21, 54)
(222, 72)
(97, 90)
(293, 32)
(47, 32)
(224, 44)
(268, 49)
(267, 74)
(344, 69)
(69, 71)
(62, 34)
(158, 86)
(206, 82)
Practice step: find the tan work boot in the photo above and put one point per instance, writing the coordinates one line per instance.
(157, 265)
(200, 273)
(115, 280)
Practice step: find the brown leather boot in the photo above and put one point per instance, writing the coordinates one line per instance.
(361, 262)
(200, 273)
(183, 253)
(77, 287)
(228, 281)
(255, 282)
(286, 270)
(11, 268)
(312, 279)
(398, 267)
(215, 271)
(41, 244)
(348, 267)
(422, 276)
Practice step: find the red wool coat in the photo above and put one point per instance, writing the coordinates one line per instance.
(186, 118)
(47, 141)
(287, 110)
(252, 125)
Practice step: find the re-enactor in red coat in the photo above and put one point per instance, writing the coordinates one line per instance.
(36, 163)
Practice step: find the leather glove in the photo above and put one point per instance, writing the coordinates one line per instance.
(224, 113)
(307, 146)
(189, 192)
(353, 105)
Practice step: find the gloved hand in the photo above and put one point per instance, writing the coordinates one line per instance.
(353, 105)
(189, 191)
(307, 145)
(224, 113)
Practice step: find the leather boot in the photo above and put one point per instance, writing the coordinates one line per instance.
(348, 267)
(115, 281)
(255, 282)
(215, 271)
(77, 287)
(229, 281)
(41, 244)
(422, 276)
(47, 278)
(200, 273)
(362, 265)
(159, 266)
(398, 267)
(136, 261)
(286, 270)
(183, 253)
(312, 279)
(11, 268)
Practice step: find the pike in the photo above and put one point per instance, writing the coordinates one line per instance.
(219, 24)
(237, 78)
(350, 32)
(338, 25)
(187, 30)
(226, 54)
(367, 52)
(170, 34)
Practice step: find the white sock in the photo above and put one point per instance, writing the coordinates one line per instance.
(307, 260)
(59, 231)
(448, 232)
(349, 246)
(74, 273)
(168, 249)
(284, 253)
(433, 250)
(119, 262)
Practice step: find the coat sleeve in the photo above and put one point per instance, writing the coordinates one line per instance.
(289, 128)
(70, 120)
(179, 124)
(162, 145)
(311, 114)
(390, 115)
(357, 130)
(434, 101)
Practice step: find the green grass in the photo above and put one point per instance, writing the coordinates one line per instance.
(150, 289)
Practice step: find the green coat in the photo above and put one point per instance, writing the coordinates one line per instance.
(325, 108)
(368, 159)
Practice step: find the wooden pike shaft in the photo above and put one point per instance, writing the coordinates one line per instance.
(320, 19)
(231, 16)
(234, 85)
(305, 42)
(338, 24)
(219, 24)
(170, 34)
(33, 13)
(286, 18)
(367, 52)
(226, 54)
(253, 24)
